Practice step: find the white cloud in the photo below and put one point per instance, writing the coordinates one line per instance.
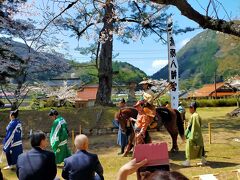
(159, 64)
(183, 42)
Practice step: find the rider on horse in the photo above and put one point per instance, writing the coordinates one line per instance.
(148, 98)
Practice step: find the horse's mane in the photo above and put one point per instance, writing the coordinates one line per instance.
(163, 110)
(165, 113)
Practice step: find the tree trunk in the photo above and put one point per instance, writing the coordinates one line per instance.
(105, 58)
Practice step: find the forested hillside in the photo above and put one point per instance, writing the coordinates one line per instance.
(123, 72)
(207, 53)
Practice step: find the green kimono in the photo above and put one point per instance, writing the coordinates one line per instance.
(59, 138)
(194, 145)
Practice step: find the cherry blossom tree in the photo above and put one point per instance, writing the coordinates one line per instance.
(63, 94)
(25, 61)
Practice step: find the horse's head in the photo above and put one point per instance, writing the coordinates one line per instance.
(123, 115)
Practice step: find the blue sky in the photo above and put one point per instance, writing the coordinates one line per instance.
(149, 55)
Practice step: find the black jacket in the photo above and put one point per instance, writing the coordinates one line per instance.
(36, 164)
(82, 166)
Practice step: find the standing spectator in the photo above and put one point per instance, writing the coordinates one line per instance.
(82, 164)
(37, 164)
(182, 111)
(122, 138)
(193, 133)
(12, 144)
(59, 136)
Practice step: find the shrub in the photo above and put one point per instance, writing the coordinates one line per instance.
(213, 102)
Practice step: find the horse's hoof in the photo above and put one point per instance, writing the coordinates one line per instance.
(174, 150)
(124, 155)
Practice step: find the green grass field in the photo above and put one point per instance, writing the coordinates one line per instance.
(222, 153)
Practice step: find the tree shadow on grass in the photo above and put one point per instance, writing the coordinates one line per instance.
(219, 164)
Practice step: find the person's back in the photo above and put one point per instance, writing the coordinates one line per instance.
(37, 164)
(82, 165)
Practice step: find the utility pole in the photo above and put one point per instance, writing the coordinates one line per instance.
(215, 84)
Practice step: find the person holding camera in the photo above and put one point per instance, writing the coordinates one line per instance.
(132, 166)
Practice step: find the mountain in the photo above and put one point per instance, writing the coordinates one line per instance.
(44, 66)
(18, 60)
(122, 72)
(205, 54)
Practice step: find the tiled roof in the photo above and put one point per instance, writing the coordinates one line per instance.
(87, 93)
(209, 90)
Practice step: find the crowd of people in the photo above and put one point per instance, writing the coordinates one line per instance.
(39, 163)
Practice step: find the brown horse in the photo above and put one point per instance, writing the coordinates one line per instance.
(168, 117)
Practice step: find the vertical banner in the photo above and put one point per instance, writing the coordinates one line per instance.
(172, 65)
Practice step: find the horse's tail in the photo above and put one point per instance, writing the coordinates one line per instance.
(180, 124)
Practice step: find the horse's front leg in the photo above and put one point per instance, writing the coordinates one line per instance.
(174, 143)
(129, 145)
(173, 133)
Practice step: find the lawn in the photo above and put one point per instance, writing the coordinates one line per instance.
(222, 153)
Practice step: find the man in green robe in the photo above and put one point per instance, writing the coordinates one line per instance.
(193, 133)
(59, 136)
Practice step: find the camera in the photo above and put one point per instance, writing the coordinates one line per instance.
(155, 153)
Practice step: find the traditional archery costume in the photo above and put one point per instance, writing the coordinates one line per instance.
(59, 137)
(12, 144)
(148, 96)
(141, 125)
(193, 133)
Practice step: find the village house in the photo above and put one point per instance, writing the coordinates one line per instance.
(86, 95)
(218, 90)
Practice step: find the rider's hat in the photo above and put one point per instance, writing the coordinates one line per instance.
(146, 81)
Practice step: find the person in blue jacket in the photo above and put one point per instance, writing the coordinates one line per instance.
(12, 144)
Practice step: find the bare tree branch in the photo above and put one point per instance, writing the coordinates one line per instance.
(186, 9)
(43, 29)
